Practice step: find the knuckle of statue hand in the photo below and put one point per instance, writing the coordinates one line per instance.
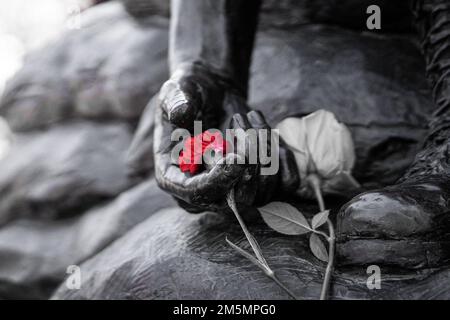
(160, 182)
(163, 182)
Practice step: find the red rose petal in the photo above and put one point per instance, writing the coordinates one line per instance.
(197, 145)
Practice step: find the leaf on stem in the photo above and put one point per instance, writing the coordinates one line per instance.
(284, 218)
(319, 219)
(318, 248)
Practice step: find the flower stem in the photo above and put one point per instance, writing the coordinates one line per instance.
(330, 265)
(232, 204)
(314, 182)
(282, 286)
(261, 261)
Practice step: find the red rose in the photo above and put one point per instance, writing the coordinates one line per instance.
(190, 158)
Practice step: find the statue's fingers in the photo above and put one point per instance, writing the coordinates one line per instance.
(288, 171)
(268, 179)
(257, 120)
(203, 188)
(263, 132)
(240, 121)
(246, 138)
(181, 102)
(246, 145)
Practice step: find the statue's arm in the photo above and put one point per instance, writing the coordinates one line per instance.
(218, 34)
(433, 22)
(210, 45)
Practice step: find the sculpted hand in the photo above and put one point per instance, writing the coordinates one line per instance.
(196, 93)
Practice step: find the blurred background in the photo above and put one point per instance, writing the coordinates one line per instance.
(28, 25)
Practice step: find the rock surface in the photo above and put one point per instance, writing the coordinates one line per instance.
(374, 84)
(5, 138)
(35, 254)
(108, 69)
(64, 170)
(174, 255)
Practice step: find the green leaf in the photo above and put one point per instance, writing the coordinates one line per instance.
(319, 219)
(318, 248)
(284, 218)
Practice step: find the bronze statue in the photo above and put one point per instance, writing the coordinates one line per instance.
(210, 50)
(66, 197)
